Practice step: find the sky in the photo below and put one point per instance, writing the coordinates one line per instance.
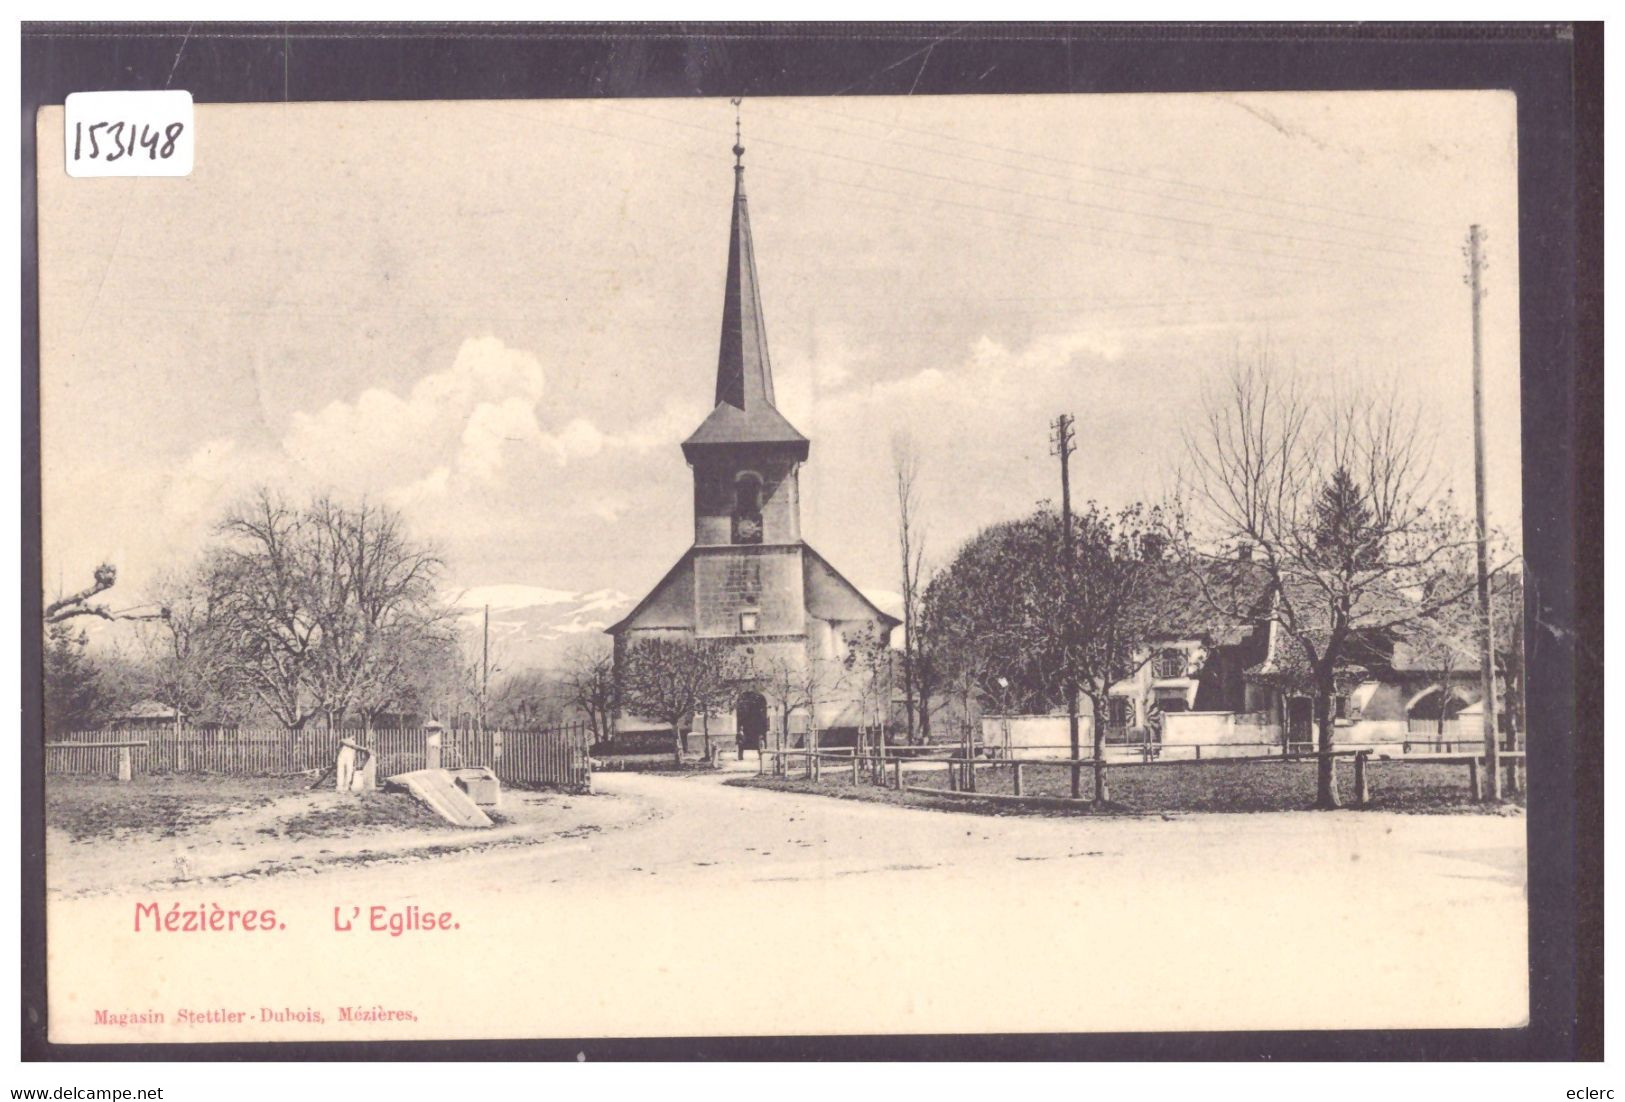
(503, 317)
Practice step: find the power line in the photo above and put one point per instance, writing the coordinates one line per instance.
(1297, 257)
(1174, 218)
(1169, 181)
(914, 199)
(1006, 163)
(913, 211)
(1292, 257)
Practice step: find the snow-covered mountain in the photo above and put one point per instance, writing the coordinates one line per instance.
(533, 626)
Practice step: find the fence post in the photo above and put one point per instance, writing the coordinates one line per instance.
(953, 776)
(760, 768)
(1076, 780)
(1362, 789)
(897, 773)
(1015, 781)
(1198, 751)
(970, 774)
(124, 764)
(1472, 779)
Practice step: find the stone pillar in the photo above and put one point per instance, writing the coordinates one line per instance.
(344, 767)
(431, 746)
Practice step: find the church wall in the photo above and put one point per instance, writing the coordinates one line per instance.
(764, 579)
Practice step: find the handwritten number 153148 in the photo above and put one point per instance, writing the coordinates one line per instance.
(118, 139)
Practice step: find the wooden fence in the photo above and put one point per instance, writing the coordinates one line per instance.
(555, 756)
(962, 772)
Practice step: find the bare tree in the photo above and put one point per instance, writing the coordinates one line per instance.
(321, 609)
(191, 667)
(531, 698)
(670, 679)
(792, 683)
(1444, 643)
(80, 604)
(589, 686)
(1447, 640)
(868, 668)
(1335, 501)
(911, 549)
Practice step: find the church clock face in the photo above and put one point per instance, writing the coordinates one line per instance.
(747, 529)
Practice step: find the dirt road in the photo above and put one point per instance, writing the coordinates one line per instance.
(708, 909)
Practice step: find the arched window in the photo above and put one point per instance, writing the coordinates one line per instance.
(1171, 663)
(747, 516)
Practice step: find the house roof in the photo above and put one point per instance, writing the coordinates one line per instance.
(879, 614)
(1409, 658)
(1192, 597)
(745, 411)
(654, 591)
(148, 709)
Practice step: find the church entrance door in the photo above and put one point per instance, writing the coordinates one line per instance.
(750, 717)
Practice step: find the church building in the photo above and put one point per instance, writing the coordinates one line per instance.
(750, 580)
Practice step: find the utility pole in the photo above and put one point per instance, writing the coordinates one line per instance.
(1486, 627)
(1062, 444)
(485, 665)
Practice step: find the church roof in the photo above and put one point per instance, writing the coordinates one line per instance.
(682, 571)
(745, 412)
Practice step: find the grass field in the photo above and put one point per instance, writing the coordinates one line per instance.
(105, 836)
(1214, 787)
(92, 807)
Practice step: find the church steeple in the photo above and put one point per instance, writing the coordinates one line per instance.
(745, 412)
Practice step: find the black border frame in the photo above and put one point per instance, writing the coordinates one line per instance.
(1555, 71)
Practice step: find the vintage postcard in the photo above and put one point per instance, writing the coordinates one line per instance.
(809, 565)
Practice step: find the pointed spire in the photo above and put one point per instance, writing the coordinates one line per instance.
(745, 410)
(744, 371)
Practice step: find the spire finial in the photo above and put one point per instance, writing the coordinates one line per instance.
(739, 149)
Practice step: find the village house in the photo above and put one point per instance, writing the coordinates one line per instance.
(1197, 658)
(749, 579)
(144, 715)
(1240, 685)
(1250, 684)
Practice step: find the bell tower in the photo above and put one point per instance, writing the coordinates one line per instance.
(746, 460)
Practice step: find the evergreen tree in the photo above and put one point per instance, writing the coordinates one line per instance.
(77, 697)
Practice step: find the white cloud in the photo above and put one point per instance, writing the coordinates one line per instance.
(580, 439)
(471, 433)
(207, 478)
(490, 427)
(379, 435)
(670, 426)
(609, 507)
(431, 485)
(830, 373)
